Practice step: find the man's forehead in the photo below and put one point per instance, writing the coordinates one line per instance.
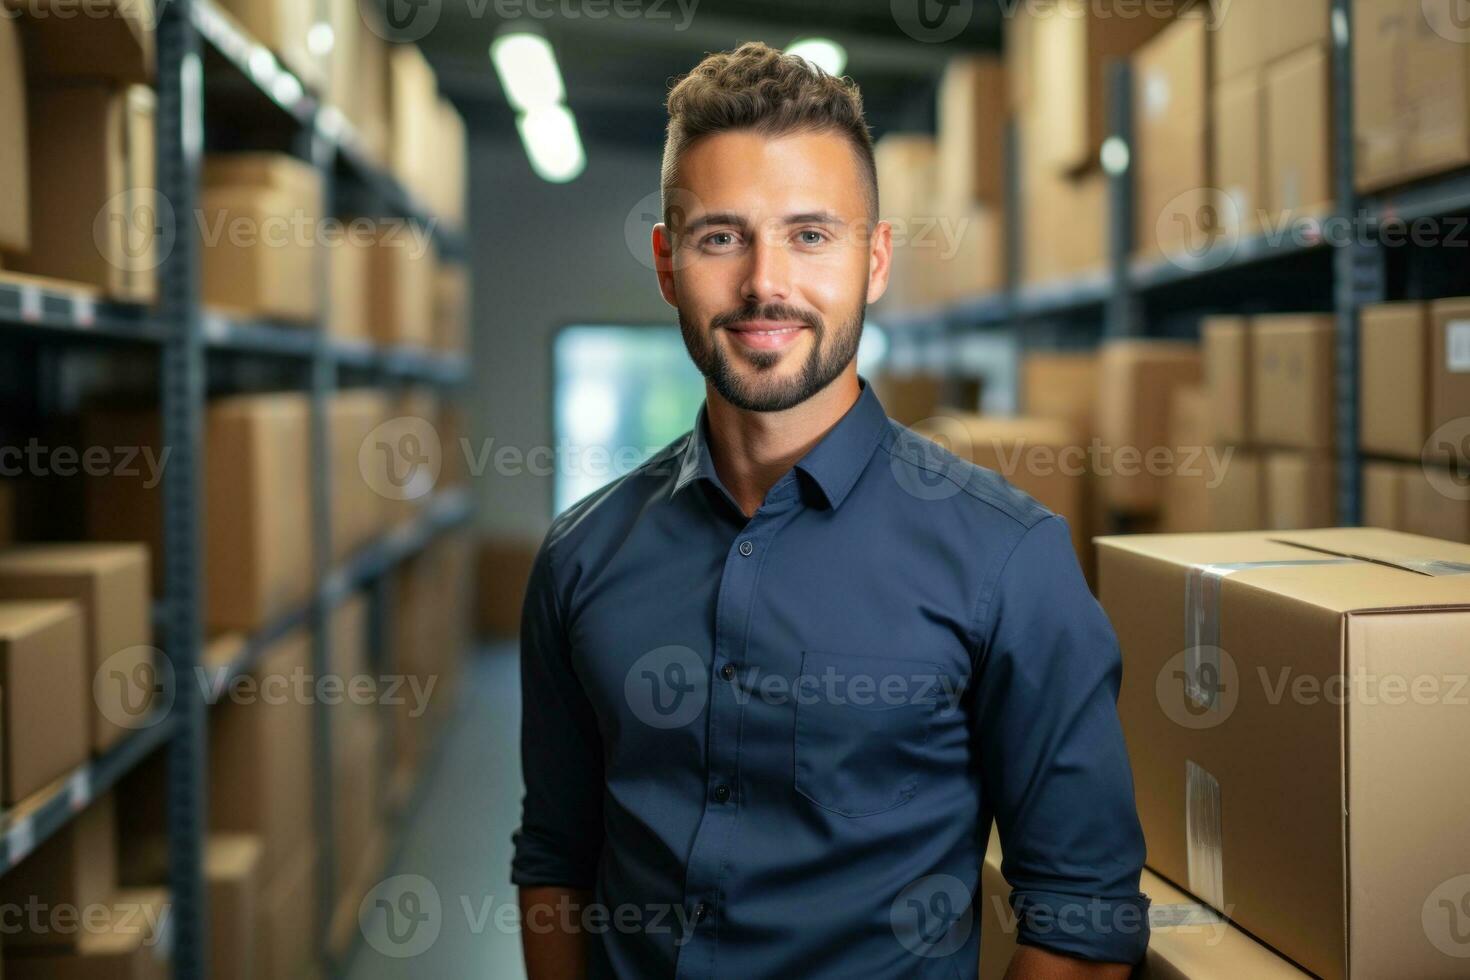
(763, 177)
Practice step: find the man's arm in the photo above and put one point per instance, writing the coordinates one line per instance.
(1054, 766)
(559, 842)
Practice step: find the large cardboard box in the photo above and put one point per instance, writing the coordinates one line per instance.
(232, 878)
(1415, 498)
(287, 933)
(260, 755)
(1449, 378)
(1226, 343)
(258, 541)
(135, 942)
(349, 270)
(1395, 364)
(92, 196)
(1171, 118)
(369, 106)
(971, 128)
(413, 100)
(1238, 152)
(1299, 134)
(1351, 662)
(1064, 230)
(110, 584)
(1075, 41)
(76, 868)
(359, 512)
(1293, 367)
(1250, 34)
(357, 806)
(101, 40)
(1186, 504)
(15, 210)
(44, 698)
(1238, 500)
(348, 657)
(907, 166)
(1300, 490)
(1061, 385)
(971, 254)
(1383, 496)
(1137, 380)
(401, 299)
(449, 184)
(451, 308)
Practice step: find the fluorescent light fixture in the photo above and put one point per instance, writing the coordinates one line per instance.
(551, 140)
(527, 69)
(826, 54)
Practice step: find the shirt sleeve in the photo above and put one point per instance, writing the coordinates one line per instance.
(1054, 765)
(559, 840)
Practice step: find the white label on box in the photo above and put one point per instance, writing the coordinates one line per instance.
(216, 327)
(1457, 346)
(83, 310)
(30, 303)
(79, 790)
(20, 840)
(1156, 95)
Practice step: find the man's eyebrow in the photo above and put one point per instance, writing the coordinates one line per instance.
(738, 221)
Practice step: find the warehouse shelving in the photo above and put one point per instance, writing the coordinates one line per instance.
(1243, 275)
(202, 54)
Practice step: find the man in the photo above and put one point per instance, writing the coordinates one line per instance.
(778, 681)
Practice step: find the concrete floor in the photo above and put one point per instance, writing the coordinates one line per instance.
(456, 857)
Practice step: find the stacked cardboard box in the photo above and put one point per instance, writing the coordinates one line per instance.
(15, 217)
(416, 131)
(108, 40)
(1186, 503)
(910, 398)
(285, 26)
(349, 284)
(970, 177)
(1171, 118)
(45, 697)
(402, 289)
(447, 187)
(1273, 112)
(359, 511)
(1345, 646)
(1411, 112)
(259, 215)
(451, 331)
(907, 166)
(1137, 381)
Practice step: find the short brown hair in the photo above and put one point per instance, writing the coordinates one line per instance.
(759, 88)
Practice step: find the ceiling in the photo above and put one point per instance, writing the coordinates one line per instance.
(619, 57)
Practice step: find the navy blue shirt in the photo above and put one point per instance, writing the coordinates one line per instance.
(774, 746)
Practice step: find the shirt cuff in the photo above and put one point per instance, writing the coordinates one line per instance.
(538, 862)
(1104, 930)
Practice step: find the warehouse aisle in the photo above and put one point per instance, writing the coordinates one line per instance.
(460, 839)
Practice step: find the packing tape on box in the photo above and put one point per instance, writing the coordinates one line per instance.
(1183, 914)
(1434, 567)
(1203, 834)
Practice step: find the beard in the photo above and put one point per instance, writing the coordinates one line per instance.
(759, 388)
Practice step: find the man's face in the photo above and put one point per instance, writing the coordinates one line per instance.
(770, 263)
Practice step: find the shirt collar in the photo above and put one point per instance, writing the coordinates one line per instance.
(833, 464)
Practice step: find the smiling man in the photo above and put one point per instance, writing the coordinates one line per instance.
(779, 681)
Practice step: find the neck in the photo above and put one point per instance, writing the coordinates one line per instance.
(752, 450)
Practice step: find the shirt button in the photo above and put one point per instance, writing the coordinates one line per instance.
(727, 671)
(746, 548)
(722, 793)
(700, 911)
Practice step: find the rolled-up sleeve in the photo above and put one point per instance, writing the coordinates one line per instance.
(1054, 766)
(559, 840)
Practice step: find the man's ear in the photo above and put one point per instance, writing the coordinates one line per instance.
(880, 260)
(662, 244)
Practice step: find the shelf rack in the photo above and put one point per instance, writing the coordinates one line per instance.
(1118, 301)
(198, 48)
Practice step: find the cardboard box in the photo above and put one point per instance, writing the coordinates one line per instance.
(907, 165)
(76, 867)
(1299, 134)
(1238, 501)
(401, 297)
(1064, 233)
(413, 100)
(971, 254)
(1383, 496)
(1061, 385)
(283, 26)
(349, 268)
(348, 656)
(449, 184)
(260, 754)
(1301, 491)
(1171, 118)
(1186, 491)
(357, 805)
(1250, 34)
(1020, 58)
(104, 40)
(15, 213)
(451, 309)
(1074, 43)
(1394, 364)
(286, 934)
(504, 569)
(1238, 151)
(1226, 343)
(359, 513)
(135, 942)
(259, 217)
(369, 106)
(232, 878)
(258, 541)
(1415, 498)
(1351, 664)
(92, 159)
(44, 685)
(1137, 380)
(110, 584)
(971, 129)
(1380, 132)
(1449, 376)
(1294, 366)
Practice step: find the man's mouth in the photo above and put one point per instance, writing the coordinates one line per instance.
(766, 334)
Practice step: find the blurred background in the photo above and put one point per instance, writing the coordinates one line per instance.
(314, 313)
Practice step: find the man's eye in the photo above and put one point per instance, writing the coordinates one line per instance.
(812, 237)
(719, 239)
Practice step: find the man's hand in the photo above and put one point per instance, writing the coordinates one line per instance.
(551, 932)
(1033, 963)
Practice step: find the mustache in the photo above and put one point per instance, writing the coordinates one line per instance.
(773, 312)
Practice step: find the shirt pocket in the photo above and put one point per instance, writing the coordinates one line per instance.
(862, 727)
